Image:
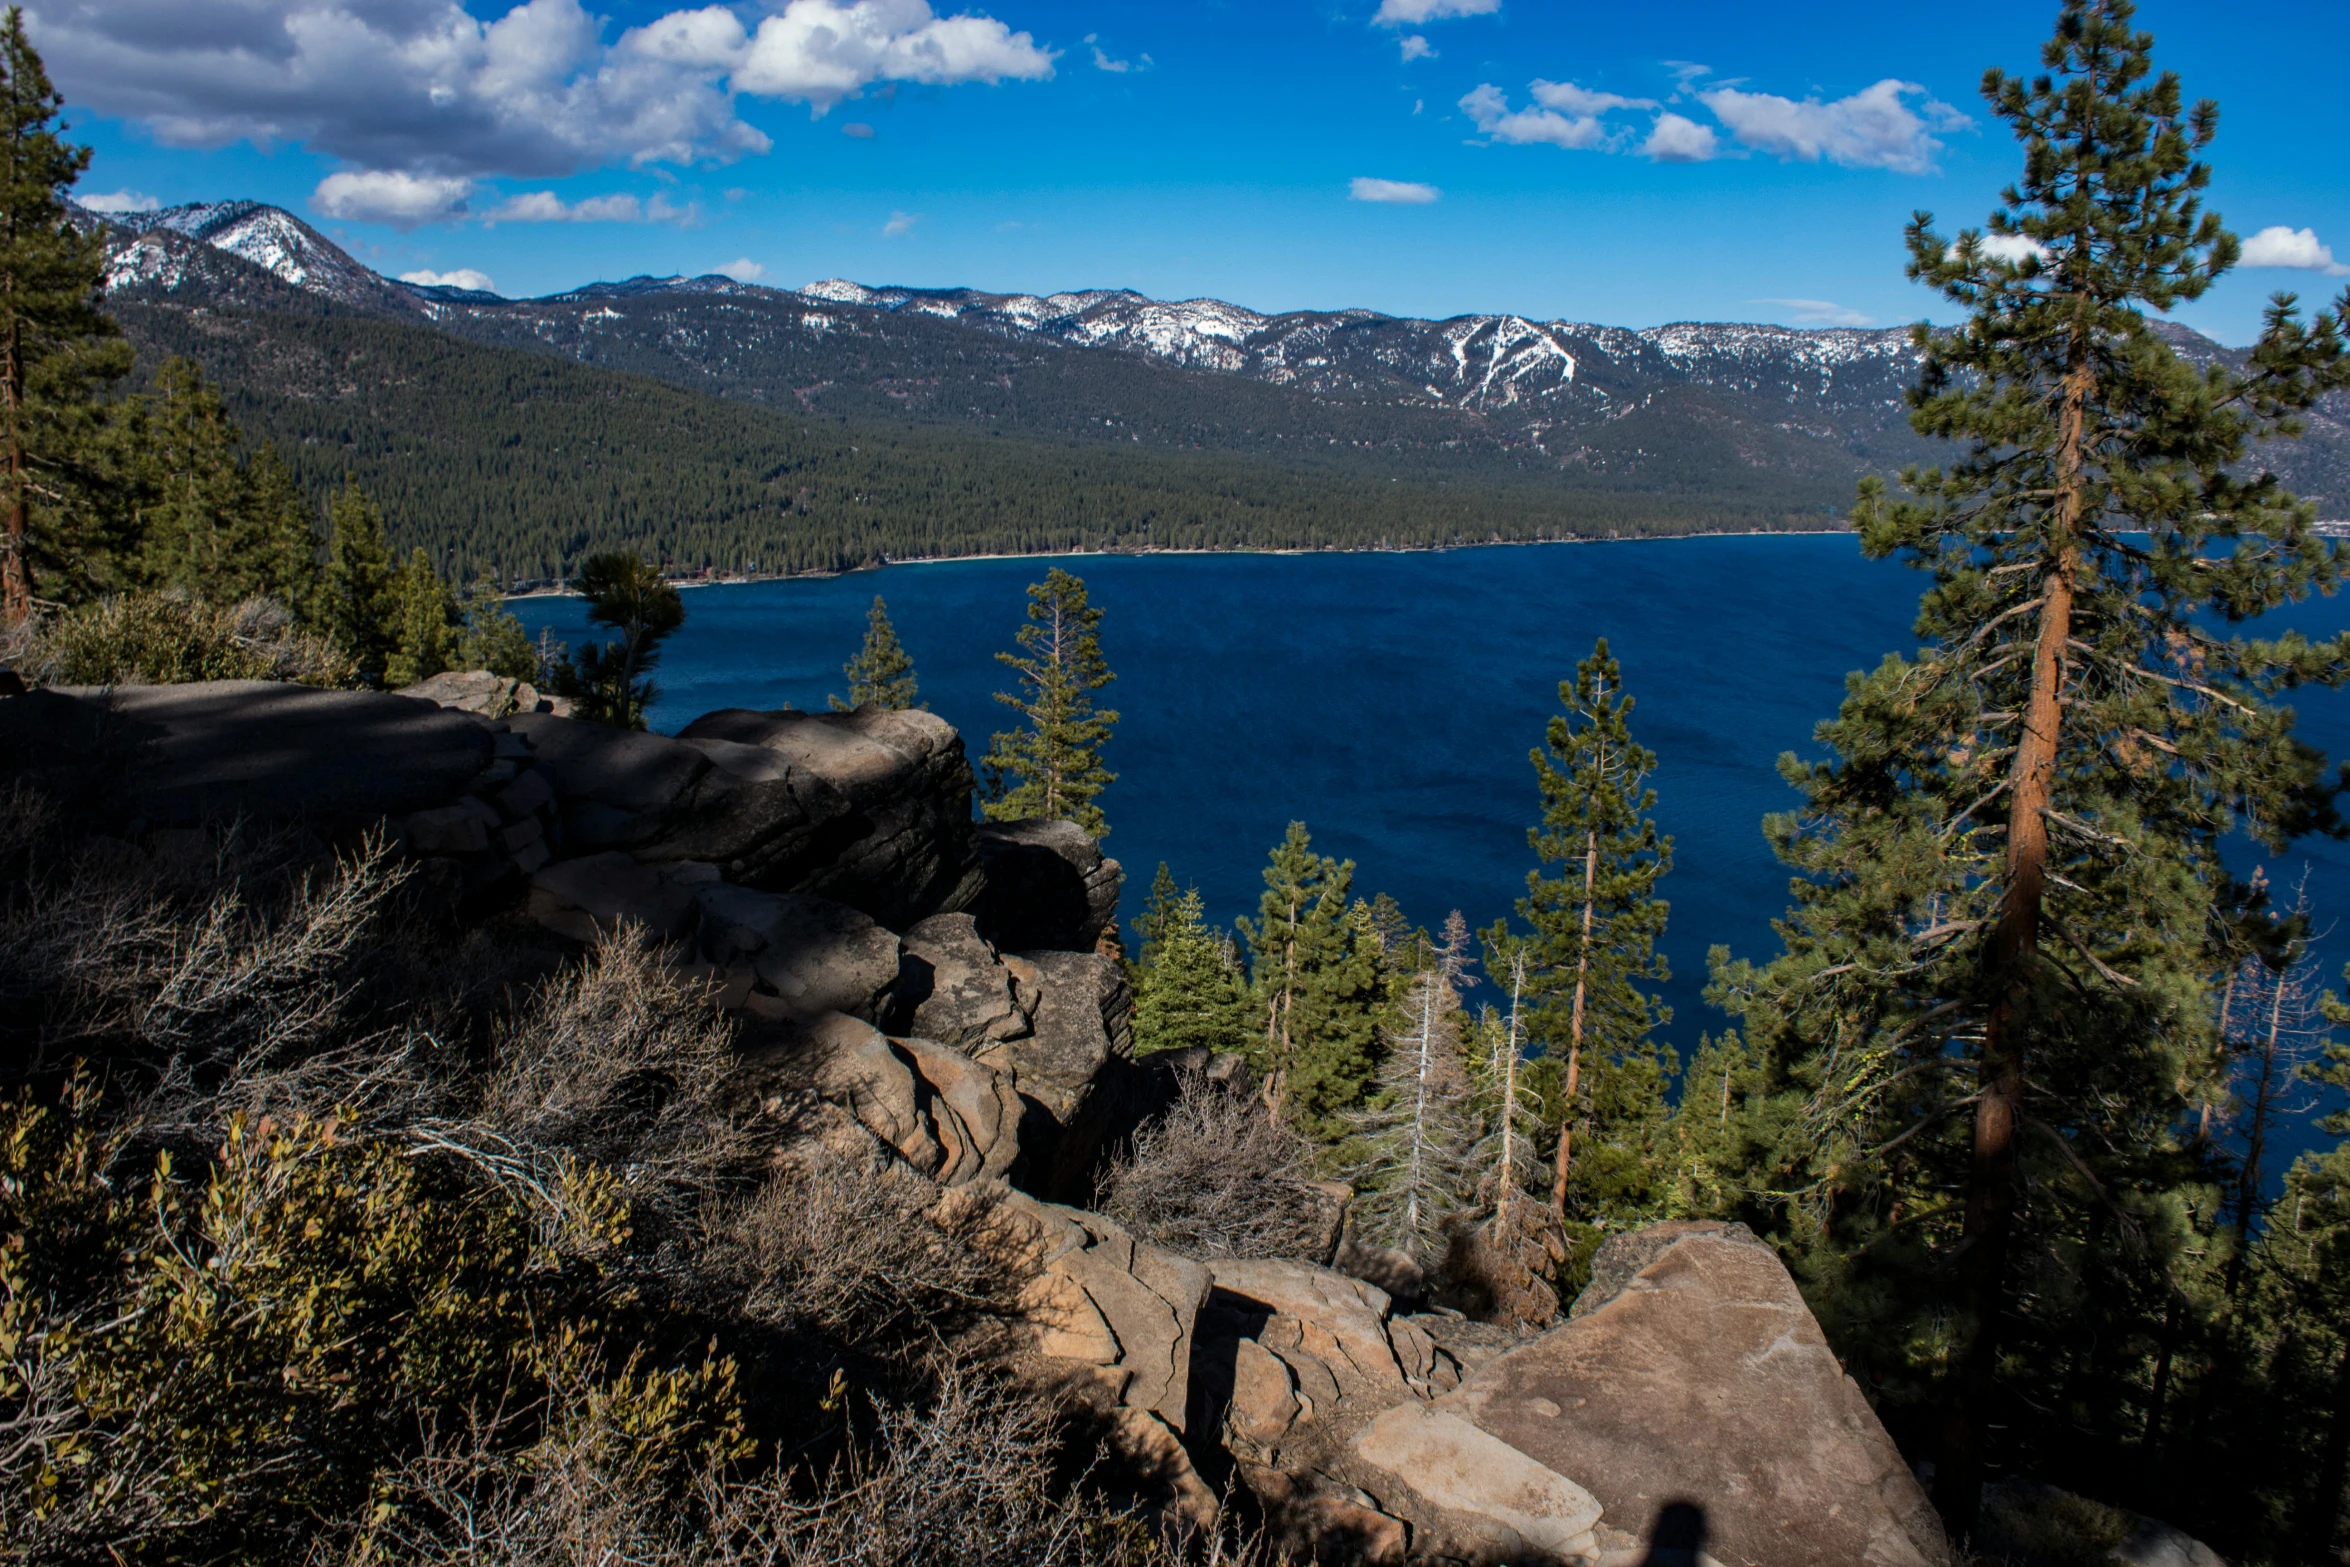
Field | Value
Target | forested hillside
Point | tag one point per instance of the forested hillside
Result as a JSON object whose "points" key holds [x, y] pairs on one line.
{"points": [[524, 462]]}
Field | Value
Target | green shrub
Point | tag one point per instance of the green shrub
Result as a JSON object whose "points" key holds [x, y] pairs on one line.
{"points": [[166, 638]]}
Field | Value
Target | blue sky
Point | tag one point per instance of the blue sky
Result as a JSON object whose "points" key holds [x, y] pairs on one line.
{"points": [[1615, 163]]}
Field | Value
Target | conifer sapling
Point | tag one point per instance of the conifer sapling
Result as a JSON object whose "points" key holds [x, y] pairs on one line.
{"points": [[1052, 768]]}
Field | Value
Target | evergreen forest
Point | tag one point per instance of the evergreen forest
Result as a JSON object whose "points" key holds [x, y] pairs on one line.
{"points": [[2005, 1098]]}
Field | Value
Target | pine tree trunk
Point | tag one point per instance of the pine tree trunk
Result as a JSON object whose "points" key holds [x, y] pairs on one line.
{"points": [[16, 562], [1558, 1179], [2015, 942], [1504, 1186]]}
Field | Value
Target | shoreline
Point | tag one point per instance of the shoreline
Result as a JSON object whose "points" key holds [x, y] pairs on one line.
{"points": [[688, 584]]}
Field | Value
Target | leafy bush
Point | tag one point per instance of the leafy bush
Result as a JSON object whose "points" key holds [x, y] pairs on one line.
{"points": [[168, 637]]}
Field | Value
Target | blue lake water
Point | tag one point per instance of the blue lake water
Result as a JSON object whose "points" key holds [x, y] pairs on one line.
{"points": [[1389, 702]]}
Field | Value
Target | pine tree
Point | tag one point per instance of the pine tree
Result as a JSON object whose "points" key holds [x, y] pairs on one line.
{"points": [[58, 350], [628, 594], [492, 638], [2011, 878], [191, 514], [1594, 926], [1411, 1152], [424, 621], [1315, 985], [355, 604], [882, 673], [1052, 768], [1158, 914], [1189, 992], [280, 542], [2303, 1283]]}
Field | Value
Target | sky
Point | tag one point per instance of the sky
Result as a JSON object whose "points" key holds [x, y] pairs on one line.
{"points": [[1614, 163]]}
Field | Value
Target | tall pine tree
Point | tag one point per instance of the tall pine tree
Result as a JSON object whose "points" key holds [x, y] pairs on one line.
{"points": [[1316, 985], [208, 520], [424, 621], [1594, 925], [882, 673], [356, 606], [1998, 975], [58, 350], [1052, 767]]}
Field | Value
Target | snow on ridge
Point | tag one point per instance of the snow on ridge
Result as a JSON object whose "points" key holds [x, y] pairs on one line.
{"points": [[838, 290]]}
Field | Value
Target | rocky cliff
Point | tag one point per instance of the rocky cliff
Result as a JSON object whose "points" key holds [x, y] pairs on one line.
{"points": [[939, 996]]}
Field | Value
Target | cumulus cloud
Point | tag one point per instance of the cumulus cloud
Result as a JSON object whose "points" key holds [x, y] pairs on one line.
{"points": [[743, 270], [1489, 107], [857, 130], [1415, 47], [544, 206], [119, 201], [1817, 312], [899, 223], [388, 196], [818, 52], [460, 277], [426, 89], [1399, 193], [2279, 246], [1411, 13], [1875, 128], [1677, 139], [2009, 247], [1887, 126]]}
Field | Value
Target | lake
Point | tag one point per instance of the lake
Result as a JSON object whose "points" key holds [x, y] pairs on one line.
{"points": [[1389, 702]]}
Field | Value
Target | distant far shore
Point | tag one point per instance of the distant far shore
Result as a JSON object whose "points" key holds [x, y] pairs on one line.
{"points": [[713, 580]]}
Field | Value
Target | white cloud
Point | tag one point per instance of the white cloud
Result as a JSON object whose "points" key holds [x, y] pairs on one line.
{"points": [[744, 270], [1411, 13], [544, 206], [1570, 99], [545, 88], [119, 201], [2011, 247], [2279, 246], [460, 277], [1677, 139], [1817, 312], [1102, 60], [1415, 47], [818, 52], [385, 196], [1489, 106], [1875, 128], [857, 130], [900, 223], [1400, 193]]}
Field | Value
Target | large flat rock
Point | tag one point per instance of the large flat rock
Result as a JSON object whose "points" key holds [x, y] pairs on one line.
{"points": [[1705, 1380], [214, 749]]}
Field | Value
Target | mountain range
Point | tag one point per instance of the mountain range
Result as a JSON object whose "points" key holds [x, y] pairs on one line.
{"points": [[1682, 427]]}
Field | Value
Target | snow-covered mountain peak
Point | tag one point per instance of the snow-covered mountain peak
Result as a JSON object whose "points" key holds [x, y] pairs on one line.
{"points": [[271, 238]]}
